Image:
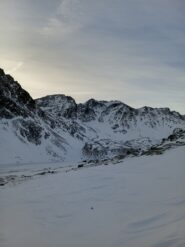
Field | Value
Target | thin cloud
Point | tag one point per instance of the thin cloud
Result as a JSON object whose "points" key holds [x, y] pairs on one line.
{"points": [[15, 68], [130, 50]]}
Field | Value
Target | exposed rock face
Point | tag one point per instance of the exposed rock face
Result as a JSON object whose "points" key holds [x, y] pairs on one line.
{"points": [[59, 105], [62, 129], [20, 115], [14, 100], [16, 104]]}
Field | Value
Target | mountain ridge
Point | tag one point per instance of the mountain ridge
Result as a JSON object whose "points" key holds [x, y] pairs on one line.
{"points": [[56, 128]]}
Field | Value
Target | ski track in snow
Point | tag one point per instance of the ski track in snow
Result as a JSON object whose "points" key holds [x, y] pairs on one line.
{"points": [[137, 203]]}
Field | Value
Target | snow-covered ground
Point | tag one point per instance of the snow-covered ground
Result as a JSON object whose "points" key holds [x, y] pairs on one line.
{"points": [[137, 203]]}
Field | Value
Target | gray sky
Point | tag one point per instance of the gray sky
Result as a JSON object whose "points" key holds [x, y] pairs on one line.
{"points": [[129, 50]]}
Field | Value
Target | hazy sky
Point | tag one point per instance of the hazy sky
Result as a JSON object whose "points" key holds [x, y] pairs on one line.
{"points": [[129, 50]]}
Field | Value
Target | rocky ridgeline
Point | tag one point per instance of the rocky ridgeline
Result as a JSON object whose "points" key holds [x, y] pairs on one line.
{"points": [[25, 118], [57, 125], [14, 100]]}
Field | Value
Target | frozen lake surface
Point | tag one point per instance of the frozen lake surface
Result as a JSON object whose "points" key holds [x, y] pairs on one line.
{"points": [[137, 203]]}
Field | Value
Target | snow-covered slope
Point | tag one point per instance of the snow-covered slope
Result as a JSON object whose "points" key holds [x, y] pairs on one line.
{"points": [[137, 203], [55, 127], [26, 132]]}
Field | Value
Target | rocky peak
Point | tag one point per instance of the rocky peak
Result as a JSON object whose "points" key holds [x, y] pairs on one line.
{"points": [[92, 103], [58, 105], [14, 100], [2, 72]]}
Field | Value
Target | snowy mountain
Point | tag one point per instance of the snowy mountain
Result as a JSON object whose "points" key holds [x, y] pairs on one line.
{"points": [[55, 127]]}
